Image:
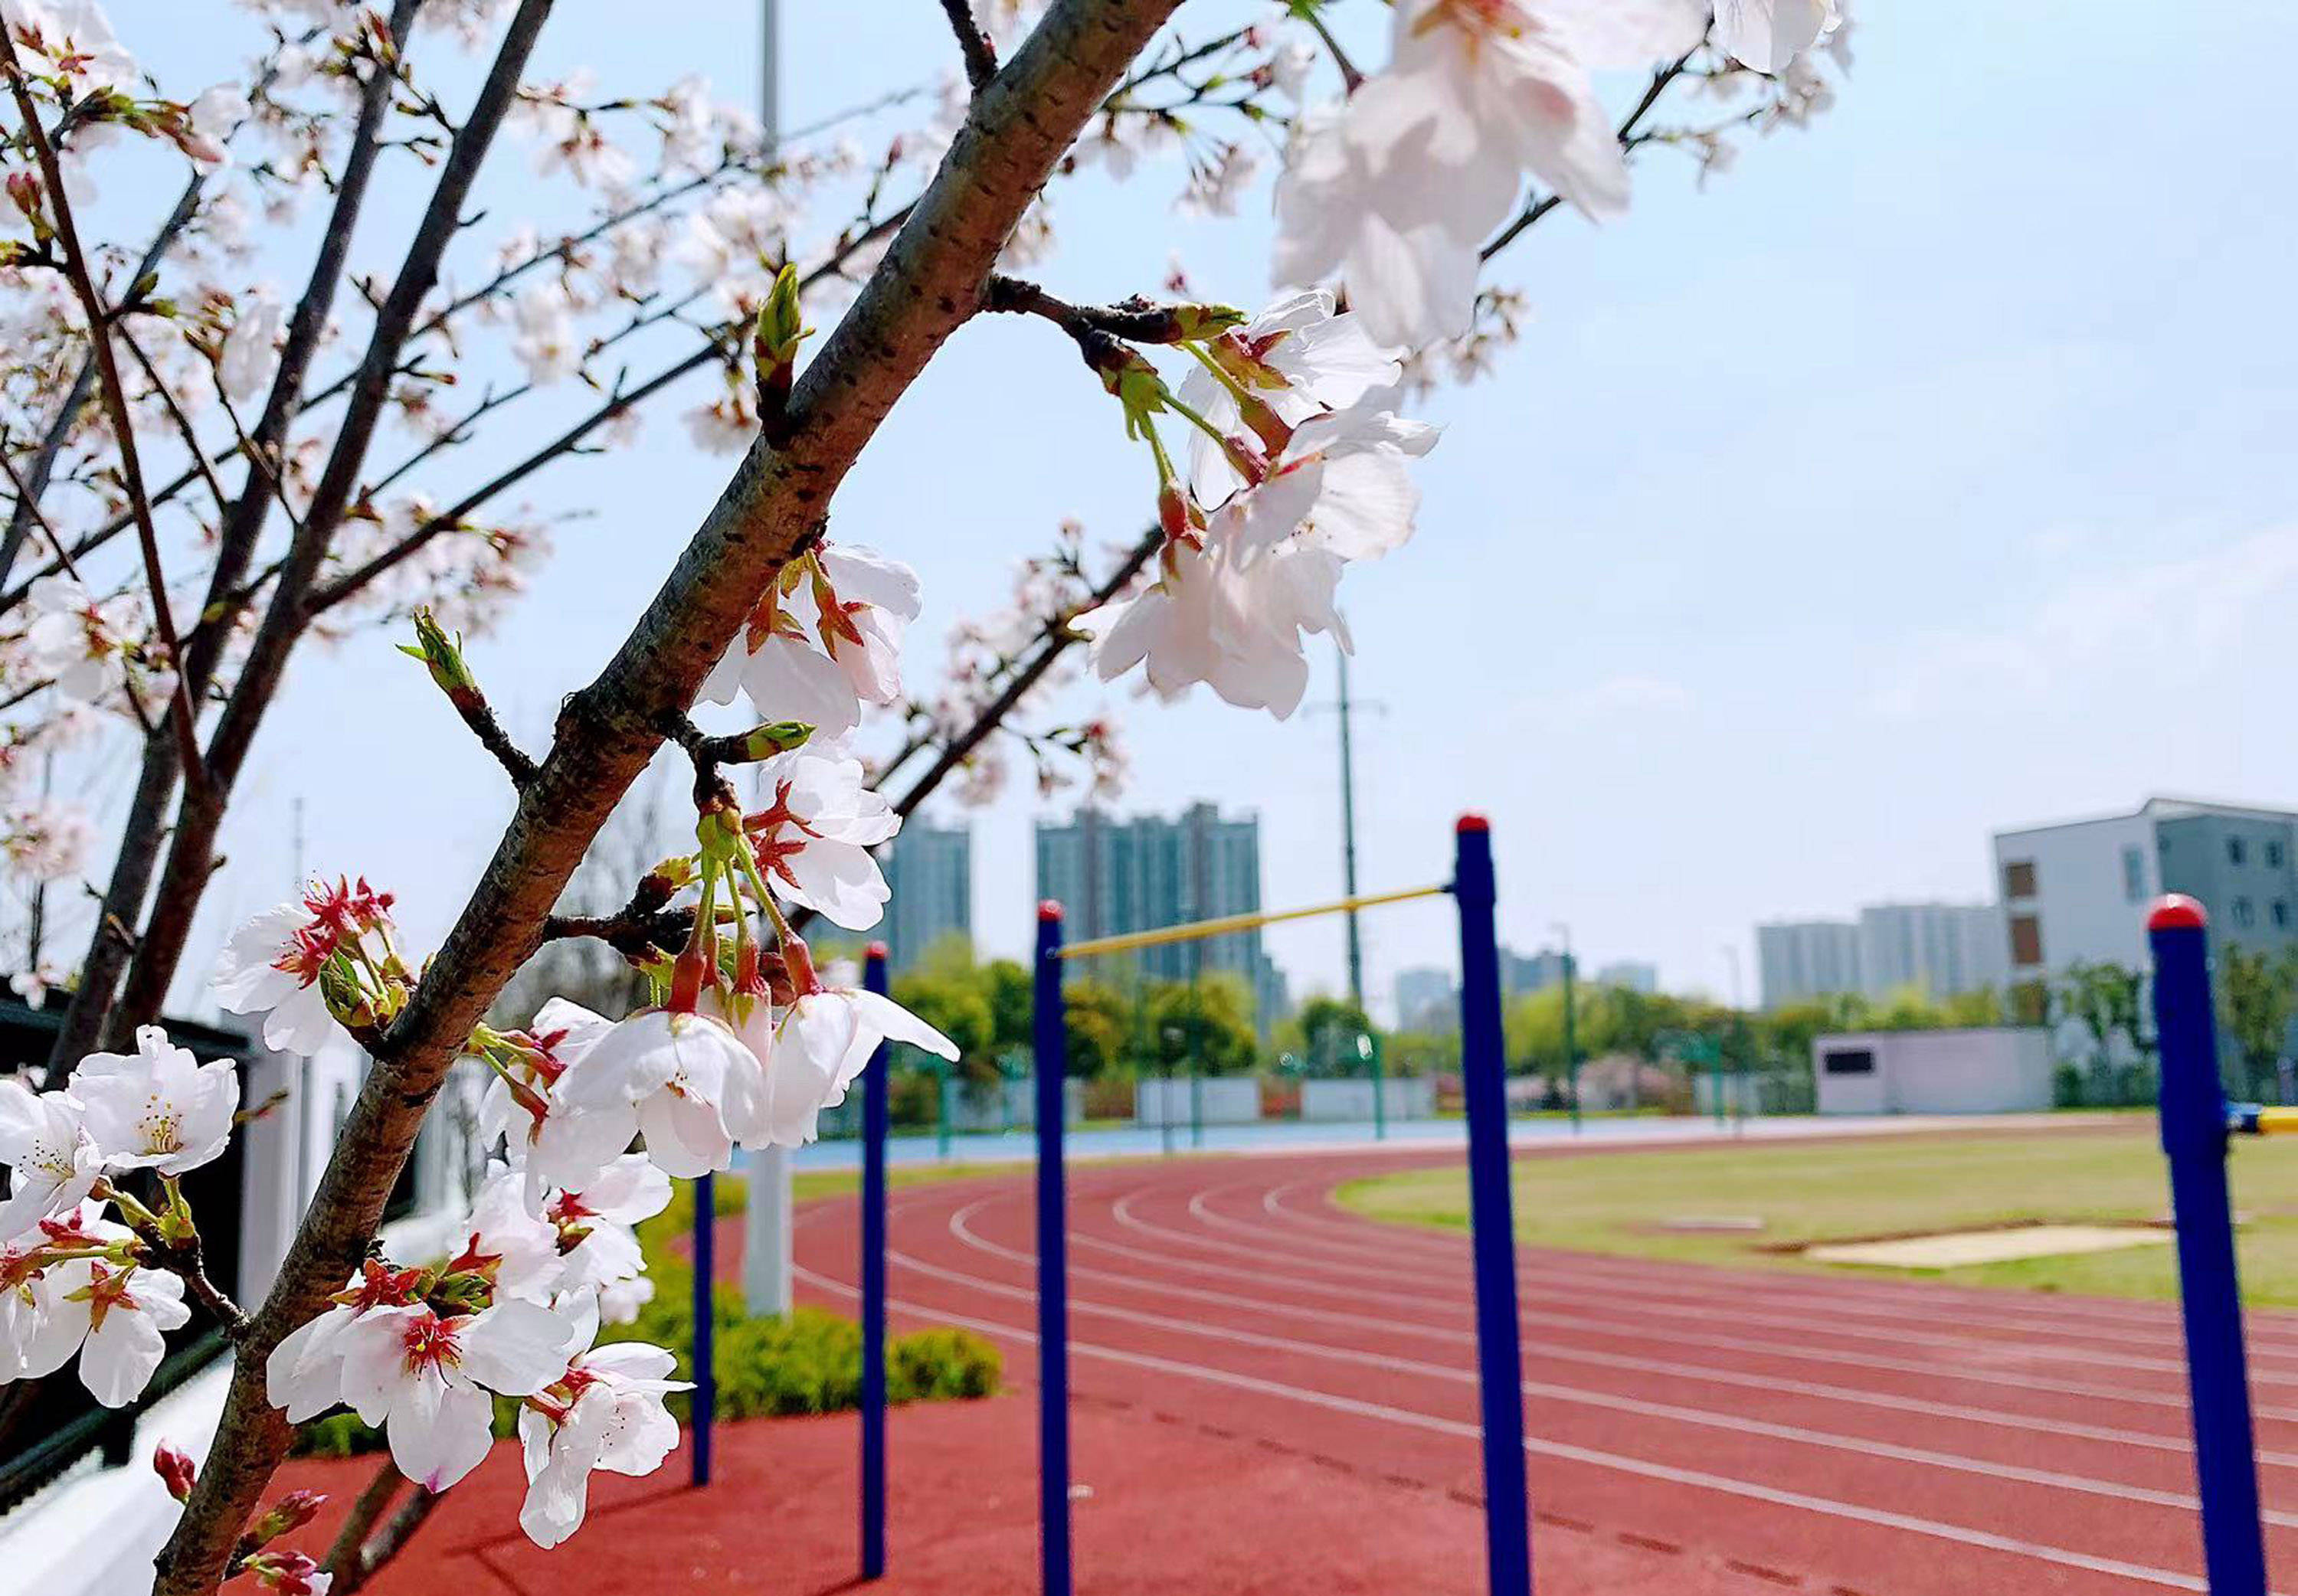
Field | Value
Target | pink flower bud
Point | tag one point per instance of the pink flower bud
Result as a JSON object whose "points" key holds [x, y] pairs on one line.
{"points": [[174, 1465], [289, 1514]]}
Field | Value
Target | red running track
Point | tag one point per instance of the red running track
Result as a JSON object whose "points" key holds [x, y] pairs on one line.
{"points": [[1854, 1437]]}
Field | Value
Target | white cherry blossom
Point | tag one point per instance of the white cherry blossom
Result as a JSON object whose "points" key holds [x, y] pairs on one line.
{"points": [[77, 641], [52, 1161], [46, 840], [566, 1146], [114, 1315], [424, 1379], [1767, 34], [250, 349], [157, 1108], [270, 967], [833, 1031], [607, 1413], [814, 837], [820, 652], [678, 1071]]}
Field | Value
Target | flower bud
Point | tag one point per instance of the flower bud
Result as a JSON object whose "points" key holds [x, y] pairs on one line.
{"points": [[775, 737], [780, 328], [174, 1465], [288, 1573], [1197, 323], [289, 1514], [444, 658]]}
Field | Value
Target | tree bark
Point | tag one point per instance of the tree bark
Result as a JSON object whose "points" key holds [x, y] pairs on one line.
{"points": [[929, 282]]}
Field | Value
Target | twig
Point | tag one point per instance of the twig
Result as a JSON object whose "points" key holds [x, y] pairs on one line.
{"points": [[1540, 206], [115, 401], [386, 1542], [1350, 79], [972, 43], [444, 656], [59, 432], [343, 1555], [1136, 320], [353, 583]]}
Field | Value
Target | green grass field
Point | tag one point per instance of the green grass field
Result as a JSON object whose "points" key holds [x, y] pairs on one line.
{"points": [[1620, 1201]]}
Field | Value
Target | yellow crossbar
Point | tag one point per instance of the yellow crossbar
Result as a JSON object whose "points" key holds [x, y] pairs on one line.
{"points": [[1199, 929], [2277, 1121]]}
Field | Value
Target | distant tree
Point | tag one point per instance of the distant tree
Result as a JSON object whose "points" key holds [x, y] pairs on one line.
{"points": [[1207, 1020], [1099, 1027], [1322, 1033], [953, 1004], [1011, 997], [2258, 996], [2106, 1000]]}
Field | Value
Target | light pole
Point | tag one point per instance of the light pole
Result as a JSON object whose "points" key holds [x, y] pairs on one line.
{"points": [[1344, 706], [1571, 1037]]}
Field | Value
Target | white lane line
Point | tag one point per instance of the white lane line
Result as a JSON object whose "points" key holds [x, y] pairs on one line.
{"points": [[1877, 1517], [1586, 1319], [1670, 1412], [1540, 1267], [1737, 1423], [1373, 1238], [1706, 1310], [1546, 1350]]}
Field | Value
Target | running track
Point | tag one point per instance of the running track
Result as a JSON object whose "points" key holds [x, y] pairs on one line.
{"points": [[1851, 1437]]}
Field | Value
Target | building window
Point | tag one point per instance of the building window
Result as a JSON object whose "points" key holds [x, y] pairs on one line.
{"points": [[2273, 856], [2235, 850], [2280, 913], [2134, 874], [2243, 915], [1847, 1061], [2019, 879], [2026, 940]]}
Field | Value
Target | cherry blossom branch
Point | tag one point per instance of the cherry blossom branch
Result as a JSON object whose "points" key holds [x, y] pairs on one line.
{"points": [[113, 943], [115, 398], [342, 1558], [353, 583], [1135, 319], [386, 1542], [191, 849], [444, 658], [58, 432], [929, 282], [972, 43], [1172, 68]]}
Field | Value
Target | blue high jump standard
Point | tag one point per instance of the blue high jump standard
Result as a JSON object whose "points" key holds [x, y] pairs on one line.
{"points": [[1500, 1366], [2194, 1122]]}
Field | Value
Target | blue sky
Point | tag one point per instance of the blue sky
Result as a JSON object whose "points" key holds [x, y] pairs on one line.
{"points": [[1927, 473]]}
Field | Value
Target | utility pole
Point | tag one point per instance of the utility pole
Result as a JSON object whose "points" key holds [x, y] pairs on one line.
{"points": [[1571, 1037], [770, 74], [1349, 832]]}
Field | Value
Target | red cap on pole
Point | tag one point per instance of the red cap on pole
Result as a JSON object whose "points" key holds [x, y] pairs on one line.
{"points": [[876, 950], [2176, 911], [1472, 822], [1047, 909]]}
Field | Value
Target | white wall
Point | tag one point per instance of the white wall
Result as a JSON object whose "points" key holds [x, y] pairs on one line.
{"points": [[1221, 1100], [1402, 1097], [1994, 1069], [1017, 1109], [2085, 911]]}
